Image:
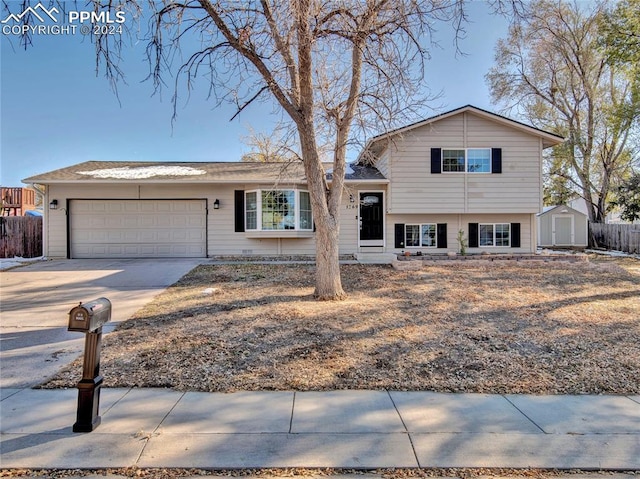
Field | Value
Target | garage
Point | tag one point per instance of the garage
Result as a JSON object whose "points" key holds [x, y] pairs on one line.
{"points": [[153, 228]]}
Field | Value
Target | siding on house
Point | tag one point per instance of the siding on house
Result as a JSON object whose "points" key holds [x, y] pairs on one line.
{"points": [[350, 219], [415, 189], [383, 164], [457, 222], [222, 239]]}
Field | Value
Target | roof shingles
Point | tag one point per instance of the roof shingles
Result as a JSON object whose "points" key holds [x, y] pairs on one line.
{"points": [[188, 172]]}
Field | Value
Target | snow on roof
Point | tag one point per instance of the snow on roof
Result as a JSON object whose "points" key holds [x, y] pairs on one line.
{"points": [[189, 172], [128, 173]]}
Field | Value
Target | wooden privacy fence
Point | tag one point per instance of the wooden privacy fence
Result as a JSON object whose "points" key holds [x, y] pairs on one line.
{"points": [[615, 237], [20, 236]]}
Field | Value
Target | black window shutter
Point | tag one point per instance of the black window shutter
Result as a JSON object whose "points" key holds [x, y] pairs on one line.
{"points": [[239, 210], [399, 229], [496, 160], [515, 235], [441, 235], [473, 235], [436, 160]]}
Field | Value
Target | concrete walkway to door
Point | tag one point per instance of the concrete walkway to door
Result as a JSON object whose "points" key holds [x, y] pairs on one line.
{"points": [[35, 301]]}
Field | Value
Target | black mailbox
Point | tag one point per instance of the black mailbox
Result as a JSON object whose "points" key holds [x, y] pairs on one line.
{"points": [[87, 317]]}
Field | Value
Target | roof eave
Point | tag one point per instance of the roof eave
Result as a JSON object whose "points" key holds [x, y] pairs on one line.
{"points": [[367, 181], [112, 181]]}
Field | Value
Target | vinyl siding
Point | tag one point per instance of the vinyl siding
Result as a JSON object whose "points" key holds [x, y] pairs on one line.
{"points": [[415, 190], [350, 220], [383, 164], [528, 231], [222, 240], [410, 219], [461, 222]]}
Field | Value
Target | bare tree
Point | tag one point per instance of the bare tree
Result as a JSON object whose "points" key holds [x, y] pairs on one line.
{"points": [[552, 70], [328, 65], [332, 66], [276, 146]]}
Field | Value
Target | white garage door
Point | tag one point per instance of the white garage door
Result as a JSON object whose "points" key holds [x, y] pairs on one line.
{"points": [[138, 228]]}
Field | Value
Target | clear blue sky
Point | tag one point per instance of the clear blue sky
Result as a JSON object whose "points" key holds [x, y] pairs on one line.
{"points": [[55, 112]]}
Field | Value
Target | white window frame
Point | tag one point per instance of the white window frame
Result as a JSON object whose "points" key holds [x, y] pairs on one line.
{"points": [[466, 160], [258, 210], [420, 226], [493, 235]]}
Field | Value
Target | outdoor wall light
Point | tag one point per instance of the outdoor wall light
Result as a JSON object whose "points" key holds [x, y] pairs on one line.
{"points": [[216, 204], [53, 205]]}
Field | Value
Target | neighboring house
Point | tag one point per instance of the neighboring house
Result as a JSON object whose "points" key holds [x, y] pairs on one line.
{"points": [[613, 217], [562, 226], [411, 189]]}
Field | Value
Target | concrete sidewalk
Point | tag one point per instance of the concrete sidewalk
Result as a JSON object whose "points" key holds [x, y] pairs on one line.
{"points": [[336, 429]]}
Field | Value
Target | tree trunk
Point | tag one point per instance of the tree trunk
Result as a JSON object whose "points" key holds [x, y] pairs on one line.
{"points": [[328, 282], [326, 218], [325, 213]]}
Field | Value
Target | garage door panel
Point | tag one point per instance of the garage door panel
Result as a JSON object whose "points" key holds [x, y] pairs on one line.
{"points": [[146, 237], [169, 222], [125, 237], [148, 208], [137, 228], [95, 208], [126, 221], [180, 236], [97, 222], [195, 236], [115, 208]]}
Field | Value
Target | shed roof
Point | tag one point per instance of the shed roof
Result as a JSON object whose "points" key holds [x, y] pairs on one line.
{"points": [[559, 209]]}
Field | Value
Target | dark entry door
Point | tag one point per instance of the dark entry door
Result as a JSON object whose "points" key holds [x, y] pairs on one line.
{"points": [[371, 219]]}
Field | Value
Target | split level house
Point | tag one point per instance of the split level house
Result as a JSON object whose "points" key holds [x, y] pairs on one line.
{"points": [[413, 189]]}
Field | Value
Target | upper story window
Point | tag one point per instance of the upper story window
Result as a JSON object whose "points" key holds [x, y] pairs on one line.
{"points": [[453, 160], [479, 160], [278, 210], [471, 160]]}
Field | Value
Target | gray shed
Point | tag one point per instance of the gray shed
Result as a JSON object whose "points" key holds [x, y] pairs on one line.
{"points": [[562, 226]]}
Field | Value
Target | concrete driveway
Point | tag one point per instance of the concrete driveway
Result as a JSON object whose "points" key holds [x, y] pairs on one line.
{"points": [[35, 301]]}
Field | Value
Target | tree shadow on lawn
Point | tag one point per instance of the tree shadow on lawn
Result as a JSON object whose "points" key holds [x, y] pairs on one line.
{"points": [[393, 340]]}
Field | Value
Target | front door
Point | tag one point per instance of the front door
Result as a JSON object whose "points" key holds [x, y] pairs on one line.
{"points": [[371, 219]]}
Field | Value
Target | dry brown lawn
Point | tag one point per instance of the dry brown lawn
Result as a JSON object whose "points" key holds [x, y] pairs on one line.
{"points": [[541, 328]]}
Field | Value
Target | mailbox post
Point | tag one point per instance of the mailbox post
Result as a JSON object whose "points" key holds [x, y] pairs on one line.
{"points": [[89, 318]]}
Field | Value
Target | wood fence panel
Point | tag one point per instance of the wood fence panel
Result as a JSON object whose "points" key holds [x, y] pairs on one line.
{"points": [[20, 236], [615, 237]]}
